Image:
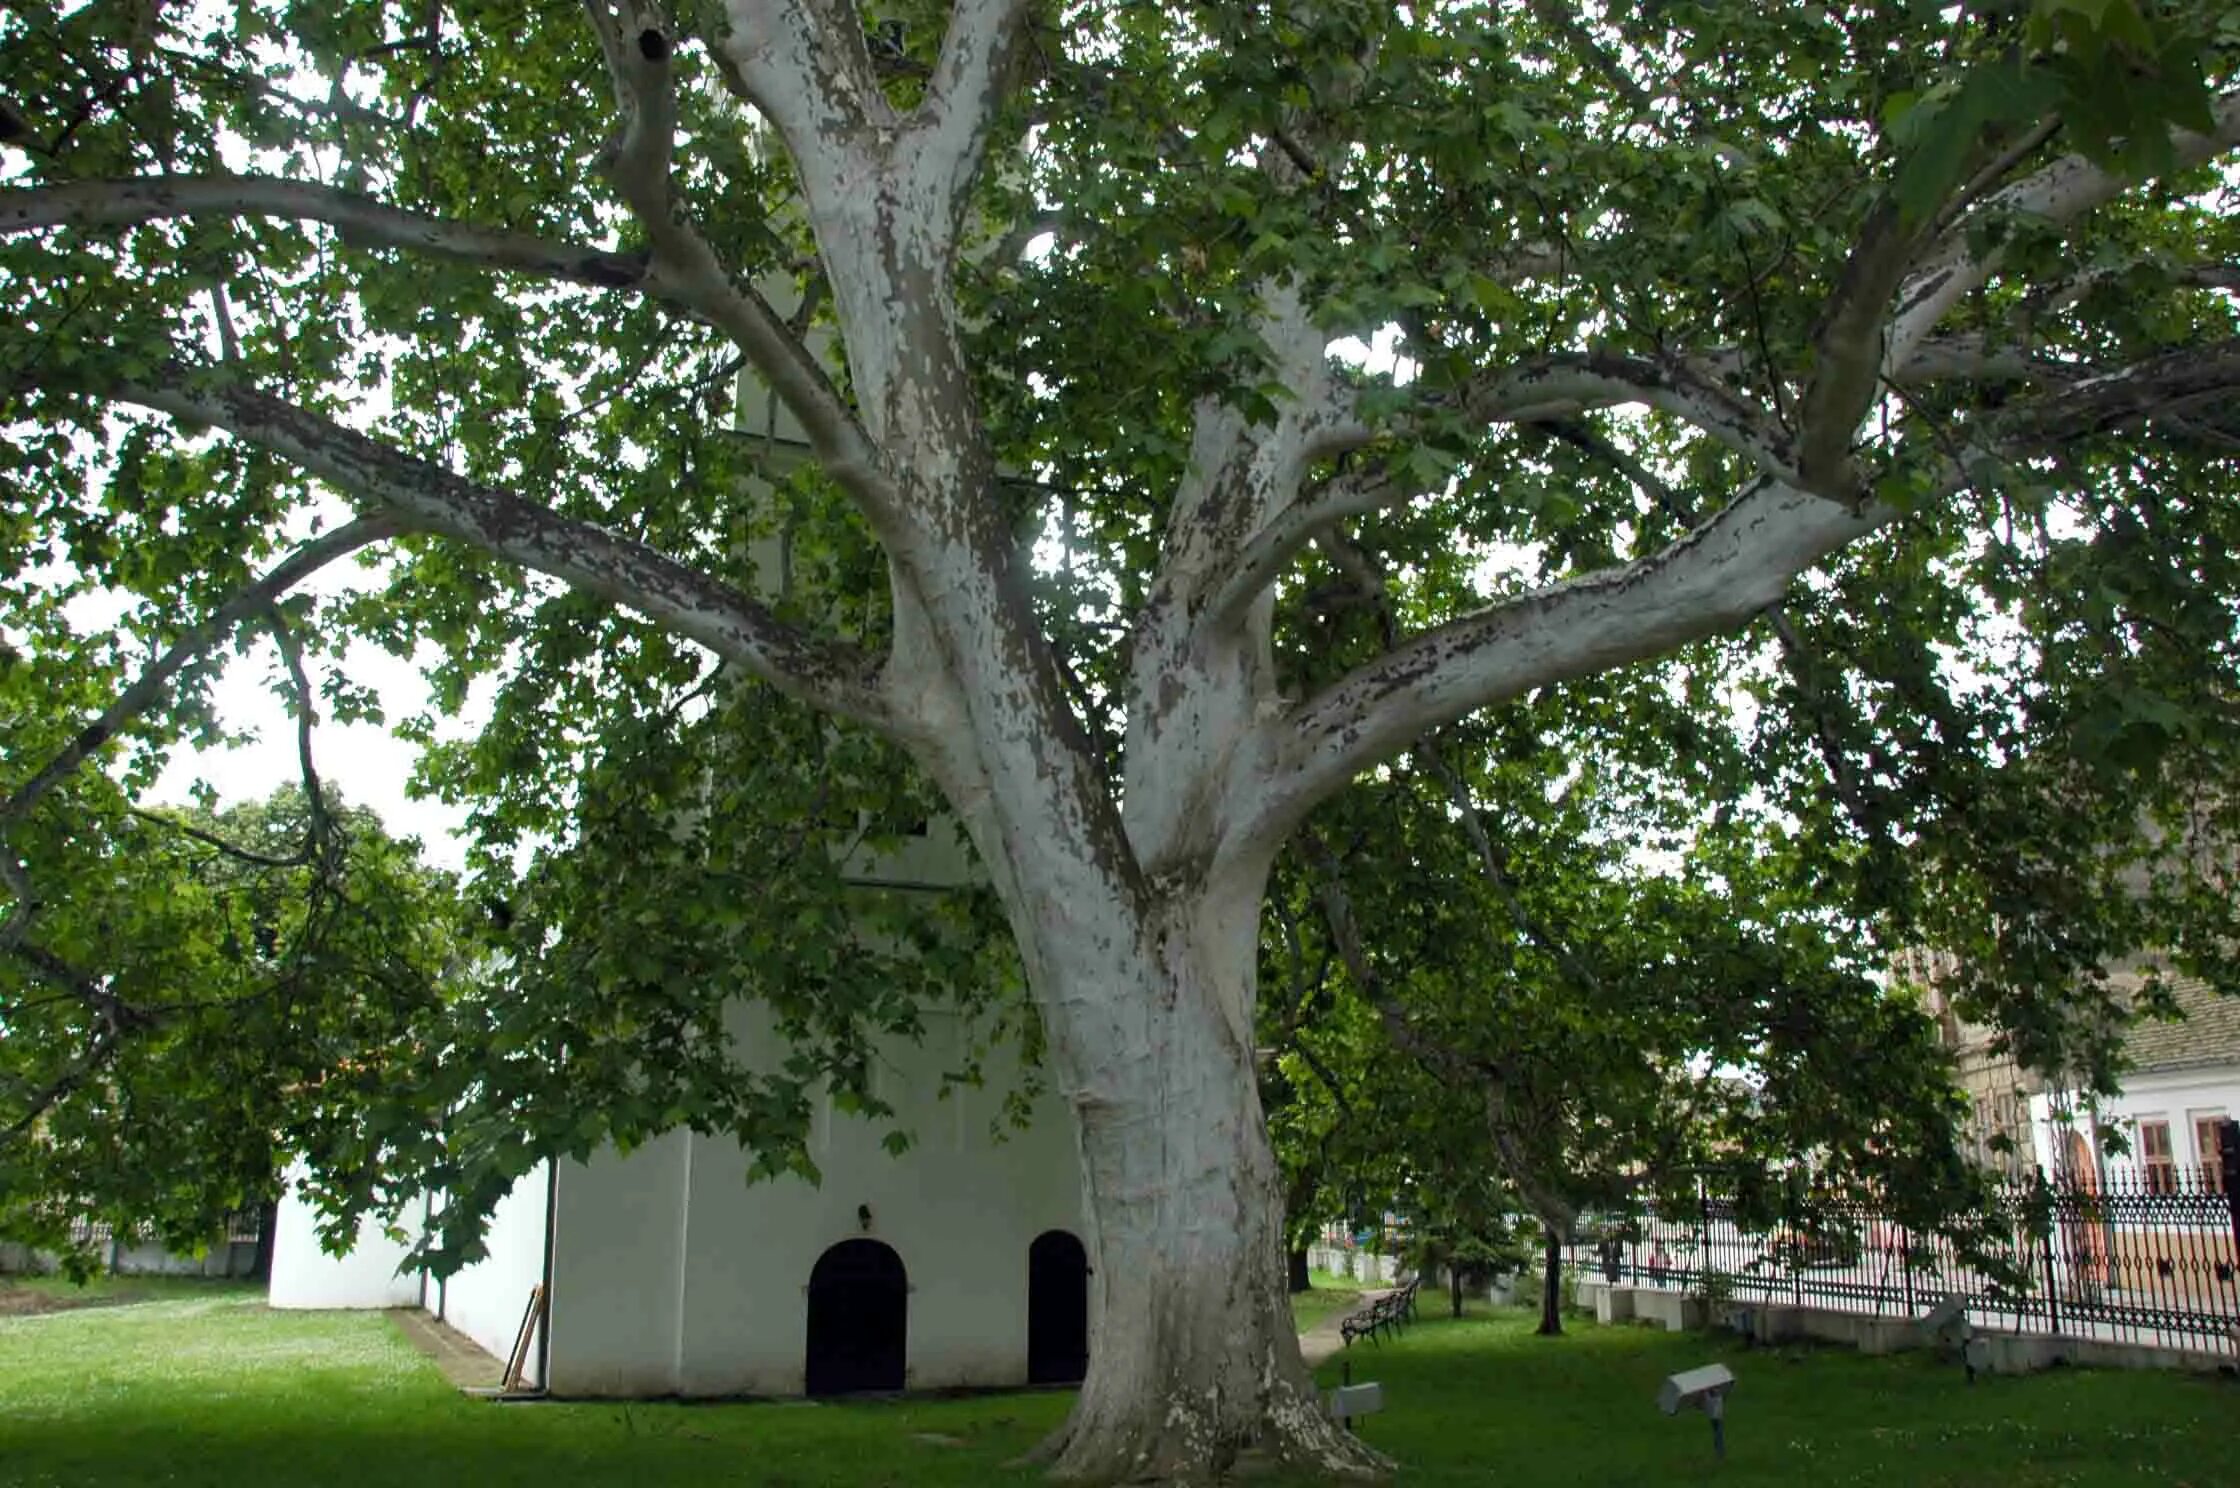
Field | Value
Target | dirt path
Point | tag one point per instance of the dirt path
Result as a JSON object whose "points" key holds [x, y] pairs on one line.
{"points": [[18, 1301], [1323, 1341]]}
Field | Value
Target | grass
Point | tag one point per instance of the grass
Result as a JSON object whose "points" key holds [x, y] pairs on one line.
{"points": [[1330, 1295], [214, 1390]]}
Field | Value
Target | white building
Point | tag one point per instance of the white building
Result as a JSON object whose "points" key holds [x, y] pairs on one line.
{"points": [[2184, 1080], [959, 1263]]}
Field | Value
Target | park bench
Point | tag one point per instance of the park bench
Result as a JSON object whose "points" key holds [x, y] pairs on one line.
{"points": [[1391, 1310]]}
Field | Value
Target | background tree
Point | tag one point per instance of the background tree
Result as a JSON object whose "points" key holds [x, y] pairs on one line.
{"points": [[207, 988], [1813, 266], [1618, 995]]}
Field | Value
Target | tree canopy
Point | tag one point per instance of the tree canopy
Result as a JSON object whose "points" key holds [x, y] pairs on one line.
{"points": [[1875, 360], [211, 995]]}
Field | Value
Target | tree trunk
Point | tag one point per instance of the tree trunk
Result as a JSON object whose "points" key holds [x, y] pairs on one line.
{"points": [[268, 1225], [1297, 1280], [1195, 1369], [1454, 1287], [1551, 1289]]}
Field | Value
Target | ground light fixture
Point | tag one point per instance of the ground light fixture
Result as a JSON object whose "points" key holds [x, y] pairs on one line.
{"points": [[1702, 1389], [1947, 1326]]}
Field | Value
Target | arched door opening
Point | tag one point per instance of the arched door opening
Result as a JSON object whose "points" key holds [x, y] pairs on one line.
{"points": [[859, 1320], [1057, 1309]]}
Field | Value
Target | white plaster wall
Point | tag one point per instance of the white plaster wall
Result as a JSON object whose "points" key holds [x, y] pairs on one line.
{"points": [[304, 1275], [959, 1208], [673, 1274], [486, 1300], [2177, 1097], [226, 1258], [618, 1238]]}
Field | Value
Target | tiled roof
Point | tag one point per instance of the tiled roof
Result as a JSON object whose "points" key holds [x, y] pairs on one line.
{"points": [[2209, 1033]]}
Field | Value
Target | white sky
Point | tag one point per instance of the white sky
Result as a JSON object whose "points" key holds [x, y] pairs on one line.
{"points": [[362, 760]]}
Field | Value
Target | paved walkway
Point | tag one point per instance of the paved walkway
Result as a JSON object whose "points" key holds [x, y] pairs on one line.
{"points": [[463, 1361]]}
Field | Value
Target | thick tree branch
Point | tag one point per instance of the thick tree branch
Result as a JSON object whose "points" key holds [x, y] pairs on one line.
{"points": [[828, 674], [1568, 384], [2199, 382], [1847, 352], [2060, 193], [357, 219], [1550, 388], [1713, 578], [950, 128], [805, 66], [689, 278], [637, 41], [1263, 559], [1968, 357], [1709, 580]]}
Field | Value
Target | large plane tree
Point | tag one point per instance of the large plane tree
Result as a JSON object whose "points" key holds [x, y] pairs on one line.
{"points": [[1052, 294]]}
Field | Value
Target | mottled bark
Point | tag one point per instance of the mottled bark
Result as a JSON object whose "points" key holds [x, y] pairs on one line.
{"points": [[1196, 1368]]}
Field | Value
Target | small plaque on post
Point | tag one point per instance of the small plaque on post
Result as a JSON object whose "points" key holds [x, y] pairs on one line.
{"points": [[1348, 1401]]}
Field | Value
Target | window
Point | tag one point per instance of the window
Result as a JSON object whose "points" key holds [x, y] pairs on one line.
{"points": [[2160, 1168], [2213, 1176]]}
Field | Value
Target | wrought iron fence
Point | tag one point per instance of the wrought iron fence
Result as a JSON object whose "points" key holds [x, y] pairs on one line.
{"points": [[2132, 1259]]}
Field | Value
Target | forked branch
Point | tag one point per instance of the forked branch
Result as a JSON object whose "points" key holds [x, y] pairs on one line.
{"points": [[829, 674]]}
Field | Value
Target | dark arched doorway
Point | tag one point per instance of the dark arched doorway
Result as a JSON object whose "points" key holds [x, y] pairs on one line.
{"points": [[859, 1319], [1057, 1310]]}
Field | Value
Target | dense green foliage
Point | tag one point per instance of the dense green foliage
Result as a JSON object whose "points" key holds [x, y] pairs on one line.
{"points": [[209, 992], [1556, 992]]}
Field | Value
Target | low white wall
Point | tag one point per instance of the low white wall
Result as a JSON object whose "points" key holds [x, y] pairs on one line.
{"points": [[486, 1300], [226, 1258], [305, 1276]]}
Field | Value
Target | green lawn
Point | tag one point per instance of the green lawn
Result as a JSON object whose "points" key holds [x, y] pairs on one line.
{"points": [[216, 1390], [1329, 1296]]}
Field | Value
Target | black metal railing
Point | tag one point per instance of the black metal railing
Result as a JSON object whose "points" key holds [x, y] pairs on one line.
{"points": [[2124, 1259]]}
